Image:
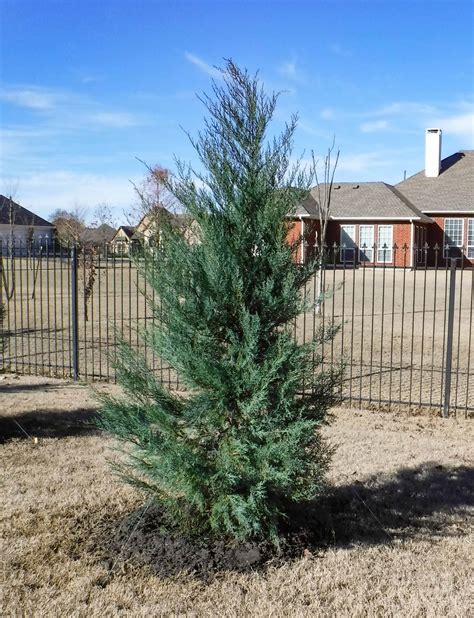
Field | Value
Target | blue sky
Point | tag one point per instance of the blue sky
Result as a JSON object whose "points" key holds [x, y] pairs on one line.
{"points": [[88, 86]]}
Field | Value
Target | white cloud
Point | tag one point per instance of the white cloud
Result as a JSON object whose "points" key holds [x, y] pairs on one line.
{"points": [[412, 117], [89, 79], [455, 119], [410, 109], [402, 108], [310, 129], [361, 166], [289, 70], [65, 111], [115, 120], [46, 191], [339, 50], [23, 148], [31, 98], [362, 162], [373, 126], [327, 113], [203, 66], [462, 125]]}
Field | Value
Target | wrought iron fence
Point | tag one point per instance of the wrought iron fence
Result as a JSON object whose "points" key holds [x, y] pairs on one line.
{"points": [[405, 333]]}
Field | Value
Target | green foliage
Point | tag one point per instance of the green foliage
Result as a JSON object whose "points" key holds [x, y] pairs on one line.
{"points": [[230, 456]]}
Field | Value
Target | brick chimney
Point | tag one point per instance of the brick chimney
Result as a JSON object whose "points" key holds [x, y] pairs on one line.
{"points": [[432, 152]]}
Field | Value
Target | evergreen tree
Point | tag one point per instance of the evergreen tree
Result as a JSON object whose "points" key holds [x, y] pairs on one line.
{"points": [[231, 456]]}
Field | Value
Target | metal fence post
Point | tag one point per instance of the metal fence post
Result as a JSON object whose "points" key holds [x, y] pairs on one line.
{"points": [[2, 309], [74, 315], [449, 342]]}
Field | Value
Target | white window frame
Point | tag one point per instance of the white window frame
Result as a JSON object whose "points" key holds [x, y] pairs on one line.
{"points": [[446, 247], [470, 243], [347, 252], [366, 250], [385, 253]]}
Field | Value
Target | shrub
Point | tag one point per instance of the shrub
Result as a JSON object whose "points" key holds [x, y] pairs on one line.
{"points": [[231, 456]]}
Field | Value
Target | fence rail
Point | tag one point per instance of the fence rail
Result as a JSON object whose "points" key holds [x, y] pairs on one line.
{"points": [[405, 334]]}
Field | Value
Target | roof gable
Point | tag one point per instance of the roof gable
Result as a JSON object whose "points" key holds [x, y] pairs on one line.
{"points": [[151, 218], [11, 212], [124, 230], [364, 200], [102, 233], [451, 191]]}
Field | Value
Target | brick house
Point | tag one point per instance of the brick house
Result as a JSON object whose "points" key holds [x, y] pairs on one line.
{"points": [[367, 220], [444, 191], [380, 224]]}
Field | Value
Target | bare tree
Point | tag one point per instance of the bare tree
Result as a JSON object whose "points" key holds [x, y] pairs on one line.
{"points": [[103, 225], [69, 224], [8, 202], [153, 196], [323, 201], [10, 206], [103, 215], [16, 238], [324, 190], [14, 248], [9, 286]]}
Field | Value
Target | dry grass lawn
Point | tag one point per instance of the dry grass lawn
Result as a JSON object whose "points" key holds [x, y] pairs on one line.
{"points": [[401, 521]]}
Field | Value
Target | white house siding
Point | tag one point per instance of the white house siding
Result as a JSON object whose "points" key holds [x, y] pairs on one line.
{"points": [[42, 237]]}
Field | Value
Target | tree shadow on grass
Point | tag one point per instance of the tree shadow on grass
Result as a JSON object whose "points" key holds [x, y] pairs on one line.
{"points": [[25, 388], [426, 502], [48, 424], [430, 500]]}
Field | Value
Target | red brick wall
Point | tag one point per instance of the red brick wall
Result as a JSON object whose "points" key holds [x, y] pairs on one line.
{"points": [[436, 234], [401, 237], [424, 234], [312, 231], [295, 230], [294, 236]]}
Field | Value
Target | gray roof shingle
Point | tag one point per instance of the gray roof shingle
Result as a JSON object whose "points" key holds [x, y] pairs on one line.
{"points": [[364, 200], [98, 235], [127, 229], [451, 191]]}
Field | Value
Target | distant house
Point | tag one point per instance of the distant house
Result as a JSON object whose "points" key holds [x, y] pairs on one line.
{"points": [[147, 231], [23, 227], [366, 220], [377, 223], [444, 191], [121, 240], [97, 236]]}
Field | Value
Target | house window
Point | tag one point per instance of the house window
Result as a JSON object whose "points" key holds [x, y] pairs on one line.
{"points": [[385, 243], [470, 238], [453, 237], [420, 242], [366, 243], [348, 243]]}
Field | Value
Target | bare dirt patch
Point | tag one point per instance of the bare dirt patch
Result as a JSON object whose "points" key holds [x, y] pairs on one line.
{"points": [[394, 536]]}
